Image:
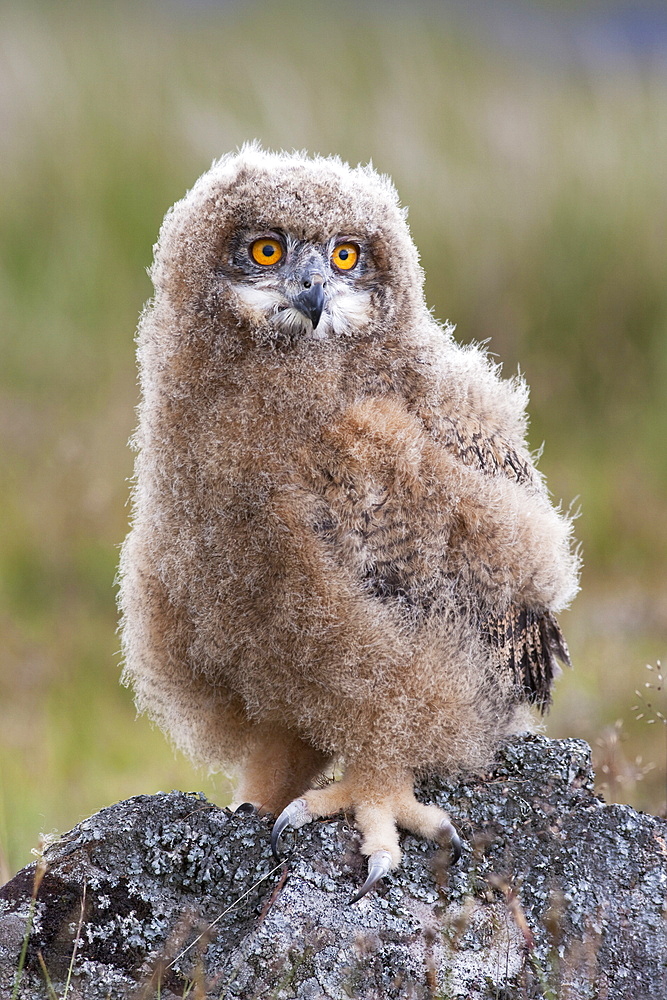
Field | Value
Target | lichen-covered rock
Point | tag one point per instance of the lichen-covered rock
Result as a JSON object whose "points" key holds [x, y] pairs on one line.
{"points": [[557, 896]]}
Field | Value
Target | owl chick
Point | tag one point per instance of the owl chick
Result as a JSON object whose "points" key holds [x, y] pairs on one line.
{"points": [[341, 552]]}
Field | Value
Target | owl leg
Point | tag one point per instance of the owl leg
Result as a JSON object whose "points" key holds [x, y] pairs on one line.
{"points": [[377, 815], [278, 767]]}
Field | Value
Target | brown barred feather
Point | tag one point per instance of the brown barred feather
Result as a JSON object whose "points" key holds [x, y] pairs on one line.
{"points": [[527, 643], [487, 450]]}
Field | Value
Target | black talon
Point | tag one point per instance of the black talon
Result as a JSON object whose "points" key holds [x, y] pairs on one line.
{"points": [[245, 808], [380, 864], [447, 828], [280, 824], [295, 814], [366, 887]]}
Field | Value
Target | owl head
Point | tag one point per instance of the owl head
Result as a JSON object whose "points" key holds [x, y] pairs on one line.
{"points": [[284, 249]]}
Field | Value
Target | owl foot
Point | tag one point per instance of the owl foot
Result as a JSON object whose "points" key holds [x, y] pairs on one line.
{"points": [[377, 821]]}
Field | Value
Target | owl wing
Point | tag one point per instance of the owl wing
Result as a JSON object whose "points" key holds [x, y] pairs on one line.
{"points": [[483, 449], [525, 641], [370, 529]]}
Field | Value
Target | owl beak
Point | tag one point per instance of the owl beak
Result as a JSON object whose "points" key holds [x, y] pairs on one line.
{"points": [[310, 301]]}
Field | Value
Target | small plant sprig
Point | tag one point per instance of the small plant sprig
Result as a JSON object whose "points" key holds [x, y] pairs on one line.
{"points": [[40, 872], [618, 774], [648, 709]]}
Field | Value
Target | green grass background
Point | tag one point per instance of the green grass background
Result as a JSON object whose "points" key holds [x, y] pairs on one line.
{"points": [[537, 194]]}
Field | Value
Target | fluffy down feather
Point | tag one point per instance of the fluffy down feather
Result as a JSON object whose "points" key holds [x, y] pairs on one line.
{"points": [[340, 549]]}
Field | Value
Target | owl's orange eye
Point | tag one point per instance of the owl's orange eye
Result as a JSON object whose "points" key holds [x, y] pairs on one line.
{"points": [[266, 251], [345, 256]]}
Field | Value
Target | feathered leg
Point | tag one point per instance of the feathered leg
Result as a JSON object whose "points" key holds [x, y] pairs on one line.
{"points": [[278, 767]]}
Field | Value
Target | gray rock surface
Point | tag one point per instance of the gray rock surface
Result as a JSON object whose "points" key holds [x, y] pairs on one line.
{"points": [[557, 895]]}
